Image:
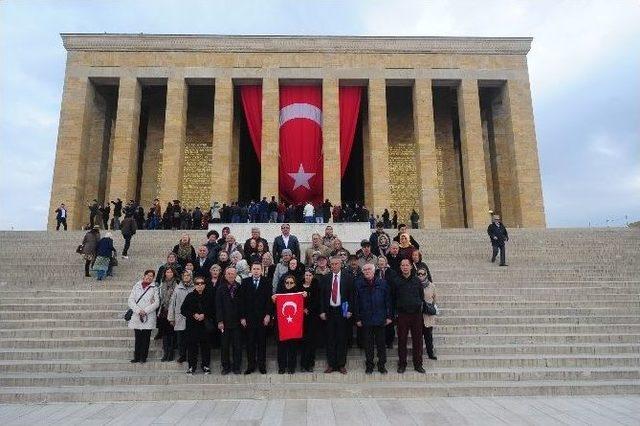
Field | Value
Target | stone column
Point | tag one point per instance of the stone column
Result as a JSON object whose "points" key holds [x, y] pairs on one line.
{"points": [[522, 136], [270, 155], [175, 131], [424, 128], [73, 132], [472, 149], [331, 140], [222, 139], [378, 147], [125, 149]]}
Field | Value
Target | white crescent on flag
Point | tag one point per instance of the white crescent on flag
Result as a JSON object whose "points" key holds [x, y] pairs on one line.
{"points": [[300, 110], [294, 305]]}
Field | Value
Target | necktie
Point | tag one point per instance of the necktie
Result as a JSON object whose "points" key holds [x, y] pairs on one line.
{"points": [[334, 289], [255, 283]]}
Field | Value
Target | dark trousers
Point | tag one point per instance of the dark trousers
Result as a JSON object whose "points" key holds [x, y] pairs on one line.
{"points": [[287, 355], [231, 340], [496, 248], [337, 327], [181, 341], [199, 342], [427, 332], [390, 334], [127, 244], [413, 323], [256, 344], [374, 334], [169, 343], [141, 351], [309, 342], [62, 221], [87, 264]]}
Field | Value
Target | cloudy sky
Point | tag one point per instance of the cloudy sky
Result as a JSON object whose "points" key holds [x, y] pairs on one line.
{"points": [[584, 67]]}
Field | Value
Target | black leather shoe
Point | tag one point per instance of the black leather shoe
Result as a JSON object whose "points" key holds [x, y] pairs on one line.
{"points": [[382, 370], [225, 371], [181, 360], [236, 371], [133, 361], [419, 369], [249, 370], [369, 370], [281, 370], [433, 357], [401, 369], [263, 370]]}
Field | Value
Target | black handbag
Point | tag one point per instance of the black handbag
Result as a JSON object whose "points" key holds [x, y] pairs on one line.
{"points": [[429, 308], [129, 313], [80, 248]]}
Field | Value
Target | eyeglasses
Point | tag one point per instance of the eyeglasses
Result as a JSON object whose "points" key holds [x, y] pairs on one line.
{"points": [[199, 283], [289, 282], [422, 273]]}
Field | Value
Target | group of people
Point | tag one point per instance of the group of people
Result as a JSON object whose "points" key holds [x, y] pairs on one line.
{"points": [[175, 216], [222, 294]]}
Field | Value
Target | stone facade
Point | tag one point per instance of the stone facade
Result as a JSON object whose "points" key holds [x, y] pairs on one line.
{"points": [[474, 149]]}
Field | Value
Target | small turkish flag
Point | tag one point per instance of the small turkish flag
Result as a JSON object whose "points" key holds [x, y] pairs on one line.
{"points": [[290, 312]]}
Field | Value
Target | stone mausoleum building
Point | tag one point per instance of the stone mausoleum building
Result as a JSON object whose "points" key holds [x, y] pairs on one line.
{"points": [[445, 124]]}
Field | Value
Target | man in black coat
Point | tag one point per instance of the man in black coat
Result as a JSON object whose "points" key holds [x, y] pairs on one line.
{"points": [[255, 314], [228, 317], [408, 309], [336, 308], [385, 272], [286, 240], [202, 264], [498, 236]]}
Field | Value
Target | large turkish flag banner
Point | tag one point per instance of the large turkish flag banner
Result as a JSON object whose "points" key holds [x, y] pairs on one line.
{"points": [[290, 313], [301, 144]]}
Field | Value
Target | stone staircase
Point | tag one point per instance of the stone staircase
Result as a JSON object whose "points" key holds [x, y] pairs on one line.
{"points": [[562, 319]]}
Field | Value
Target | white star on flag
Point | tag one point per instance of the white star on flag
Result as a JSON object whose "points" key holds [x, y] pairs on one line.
{"points": [[301, 178], [289, 319]]}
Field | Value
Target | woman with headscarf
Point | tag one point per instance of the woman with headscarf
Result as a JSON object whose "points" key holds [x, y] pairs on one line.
{"points": [[294, 268], [104, 252], [184, 250], [406, 249]]}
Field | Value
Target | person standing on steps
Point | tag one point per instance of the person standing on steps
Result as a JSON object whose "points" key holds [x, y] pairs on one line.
{"points": [[143, 301], [498, 235], [198, 309], [128, 227], [228, 317], [409, 299], [61, 217], [429, 321], [175, 317]]}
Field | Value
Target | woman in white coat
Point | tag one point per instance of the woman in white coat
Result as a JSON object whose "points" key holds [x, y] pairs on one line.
{"points": [[143, 301]]}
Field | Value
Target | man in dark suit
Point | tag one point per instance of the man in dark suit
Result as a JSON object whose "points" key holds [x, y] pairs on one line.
{"points": [[498, 235], [336, 307], [385, 272], [255, 314], [228, 317], [202, 264], [255, 235], [286, 240]]}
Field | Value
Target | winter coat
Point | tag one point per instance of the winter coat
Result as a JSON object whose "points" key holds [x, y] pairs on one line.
{"points": [[429, 297], [128, 226], [408, 294], [148, 303], [90, 242], [175, 306], [373, 303]]}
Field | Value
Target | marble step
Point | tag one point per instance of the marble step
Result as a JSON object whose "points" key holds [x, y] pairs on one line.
{"points": [[348, 389]]}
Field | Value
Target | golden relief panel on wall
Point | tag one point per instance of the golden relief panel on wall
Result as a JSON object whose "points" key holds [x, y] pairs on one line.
{"points": [[196, 179], [403, 176]]}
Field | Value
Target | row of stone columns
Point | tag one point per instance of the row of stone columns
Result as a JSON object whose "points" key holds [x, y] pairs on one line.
{"points": [[68, 184]]}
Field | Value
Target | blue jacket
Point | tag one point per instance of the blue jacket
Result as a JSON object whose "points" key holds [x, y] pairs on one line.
{"points": [[373, 304], [105, 247]]}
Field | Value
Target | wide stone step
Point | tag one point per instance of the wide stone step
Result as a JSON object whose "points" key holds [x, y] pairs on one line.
{"points": [[348, 389], [433, 375], [155, 351], [353, 361]]}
